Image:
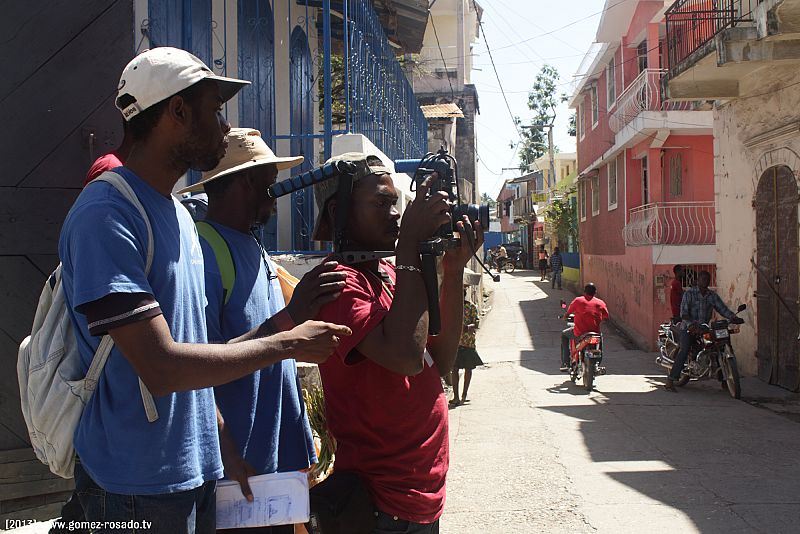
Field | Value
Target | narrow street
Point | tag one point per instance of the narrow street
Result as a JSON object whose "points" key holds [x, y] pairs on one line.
{"points": [[532, 453]]}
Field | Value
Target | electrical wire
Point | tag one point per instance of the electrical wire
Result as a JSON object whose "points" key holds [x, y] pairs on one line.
{"points": [[483, 31]]}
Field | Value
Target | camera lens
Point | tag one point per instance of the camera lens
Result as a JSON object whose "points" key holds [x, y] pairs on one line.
{"points": [[475, 212]]}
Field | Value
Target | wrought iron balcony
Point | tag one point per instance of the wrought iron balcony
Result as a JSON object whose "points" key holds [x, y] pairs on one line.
{"points": [[671, 223], [644, 94], [693, 23]]}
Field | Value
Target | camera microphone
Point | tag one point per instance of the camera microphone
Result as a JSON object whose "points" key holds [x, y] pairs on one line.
{"points": [[314, 176]]}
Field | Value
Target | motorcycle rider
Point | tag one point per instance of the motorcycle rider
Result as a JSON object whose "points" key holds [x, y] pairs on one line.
{"points": [[589, 312], [697, 305]]}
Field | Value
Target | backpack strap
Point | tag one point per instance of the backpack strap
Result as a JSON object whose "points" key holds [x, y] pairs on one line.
{"points": [[222, 253], [106, 344]]}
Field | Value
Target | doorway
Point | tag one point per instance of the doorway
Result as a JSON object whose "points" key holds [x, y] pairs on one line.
{"points": [[777, 289]]}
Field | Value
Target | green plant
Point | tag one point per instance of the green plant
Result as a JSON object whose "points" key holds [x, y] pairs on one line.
{"points": [[563, 217]]}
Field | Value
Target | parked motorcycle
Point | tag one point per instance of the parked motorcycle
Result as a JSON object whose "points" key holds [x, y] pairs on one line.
{"points": [[586, 354], [711, 354]]}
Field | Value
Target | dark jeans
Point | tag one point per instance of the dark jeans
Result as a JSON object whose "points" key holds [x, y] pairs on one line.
{"points": [[556, 279], [685, 340], [567, 335], [183, 512], [387, 524]]}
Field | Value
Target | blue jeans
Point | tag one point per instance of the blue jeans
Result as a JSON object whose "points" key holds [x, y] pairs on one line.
{"points": [[685, 341], [556, 279], [567, 335], [387, 524], [184, 512]]}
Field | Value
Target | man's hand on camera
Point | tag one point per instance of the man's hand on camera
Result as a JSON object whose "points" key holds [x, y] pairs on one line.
{"points": [[318, 287], [313, 341], [423, 217], [470, 239]]}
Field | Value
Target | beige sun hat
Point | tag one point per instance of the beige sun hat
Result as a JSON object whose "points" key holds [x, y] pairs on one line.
{"points": [[366, 164], [246, 149]]}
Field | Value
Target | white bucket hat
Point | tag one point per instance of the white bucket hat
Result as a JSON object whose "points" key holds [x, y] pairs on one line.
{"points": [[246, 149], [159, 73]]}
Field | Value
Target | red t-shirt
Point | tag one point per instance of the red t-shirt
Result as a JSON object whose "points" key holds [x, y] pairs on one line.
{"points": [[391, 429], [102, 164], [675, 297], [589, 313]]}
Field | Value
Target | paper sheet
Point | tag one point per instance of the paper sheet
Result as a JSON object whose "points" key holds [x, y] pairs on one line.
{"points": [[279, 499]]}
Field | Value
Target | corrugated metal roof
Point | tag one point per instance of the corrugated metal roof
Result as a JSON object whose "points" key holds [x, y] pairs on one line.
{"points": [[434, 111]]}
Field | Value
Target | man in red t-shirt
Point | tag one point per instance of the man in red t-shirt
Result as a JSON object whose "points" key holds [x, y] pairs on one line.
{"points": [[383, 393], [112, 160], [676, 293], [589, 312]]}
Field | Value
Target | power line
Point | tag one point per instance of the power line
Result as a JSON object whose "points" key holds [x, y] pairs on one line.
{"points": [[604, 10], [483, 31], [441, 54]]}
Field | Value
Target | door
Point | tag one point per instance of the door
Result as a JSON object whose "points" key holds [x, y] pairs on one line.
{"points": [[777, 290], [256, 39]]}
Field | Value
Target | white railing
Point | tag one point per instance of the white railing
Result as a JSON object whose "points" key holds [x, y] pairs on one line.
{"points": [[671, 223], [644, 94]]}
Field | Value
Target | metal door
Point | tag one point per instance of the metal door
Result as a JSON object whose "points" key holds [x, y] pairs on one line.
{"points": [[257, 64], [777, 258]]}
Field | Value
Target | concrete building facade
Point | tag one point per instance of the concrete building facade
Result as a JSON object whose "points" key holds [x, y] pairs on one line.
{"points": [[746, 60], [645, 172]]}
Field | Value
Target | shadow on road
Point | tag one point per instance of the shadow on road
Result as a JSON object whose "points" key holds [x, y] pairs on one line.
{"points": [[723, 464]]}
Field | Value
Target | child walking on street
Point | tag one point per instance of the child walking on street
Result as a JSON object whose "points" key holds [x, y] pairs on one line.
{"points": [[467, 357]]}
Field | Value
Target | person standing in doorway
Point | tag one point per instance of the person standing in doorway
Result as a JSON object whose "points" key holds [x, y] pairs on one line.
{"points": [[676, 293]]}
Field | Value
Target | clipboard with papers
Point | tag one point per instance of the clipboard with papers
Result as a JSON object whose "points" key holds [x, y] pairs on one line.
{"points": [[278, 499]]}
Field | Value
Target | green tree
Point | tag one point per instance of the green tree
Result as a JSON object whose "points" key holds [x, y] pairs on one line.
{"points": [[571, 128], [489, 201], [562, 215], [542, 101]]}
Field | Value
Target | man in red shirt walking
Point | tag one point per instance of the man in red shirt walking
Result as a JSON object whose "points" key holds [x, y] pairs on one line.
{"points": [[384, 399], [589, 312]]}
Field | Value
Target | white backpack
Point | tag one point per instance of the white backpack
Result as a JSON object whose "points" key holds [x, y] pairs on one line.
{"points": [[53, 389]]}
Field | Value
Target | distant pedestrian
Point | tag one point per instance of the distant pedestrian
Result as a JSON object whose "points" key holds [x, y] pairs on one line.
{"points": [[556, 265], [501, 257], [542, 263], [467, 357]]}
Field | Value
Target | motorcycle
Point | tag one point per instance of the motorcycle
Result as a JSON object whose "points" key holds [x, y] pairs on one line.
{"points": [[711, 354], [586, 354]]}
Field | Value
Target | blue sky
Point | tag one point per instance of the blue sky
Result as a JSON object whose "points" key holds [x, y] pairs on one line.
{"points": [[515, 30]]}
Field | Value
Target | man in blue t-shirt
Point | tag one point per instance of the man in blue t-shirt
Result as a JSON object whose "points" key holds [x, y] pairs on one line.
{"points": [[263, 424], [163, 472]]}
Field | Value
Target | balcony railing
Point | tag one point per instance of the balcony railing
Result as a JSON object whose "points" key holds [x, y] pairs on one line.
{"points": [[644, 94], [671, 223], [692, 23]]}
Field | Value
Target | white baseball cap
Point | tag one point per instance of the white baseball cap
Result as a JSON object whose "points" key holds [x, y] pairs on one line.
{"points": [[159, 73]]}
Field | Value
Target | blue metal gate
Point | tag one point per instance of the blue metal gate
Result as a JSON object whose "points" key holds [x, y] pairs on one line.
{"points": [[301, 118], [256, 39]]}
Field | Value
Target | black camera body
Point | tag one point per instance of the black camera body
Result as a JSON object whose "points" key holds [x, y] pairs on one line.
{"points": [[446, 179]]}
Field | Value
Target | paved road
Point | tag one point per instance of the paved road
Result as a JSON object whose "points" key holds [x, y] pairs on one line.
{"points": [[533, 453]]}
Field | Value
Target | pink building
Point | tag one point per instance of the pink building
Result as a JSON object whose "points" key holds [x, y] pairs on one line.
{"points": [[646, 171]]}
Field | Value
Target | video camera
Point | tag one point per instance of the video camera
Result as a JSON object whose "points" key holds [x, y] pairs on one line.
{"points": [[447, 237], [446, 168]]}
